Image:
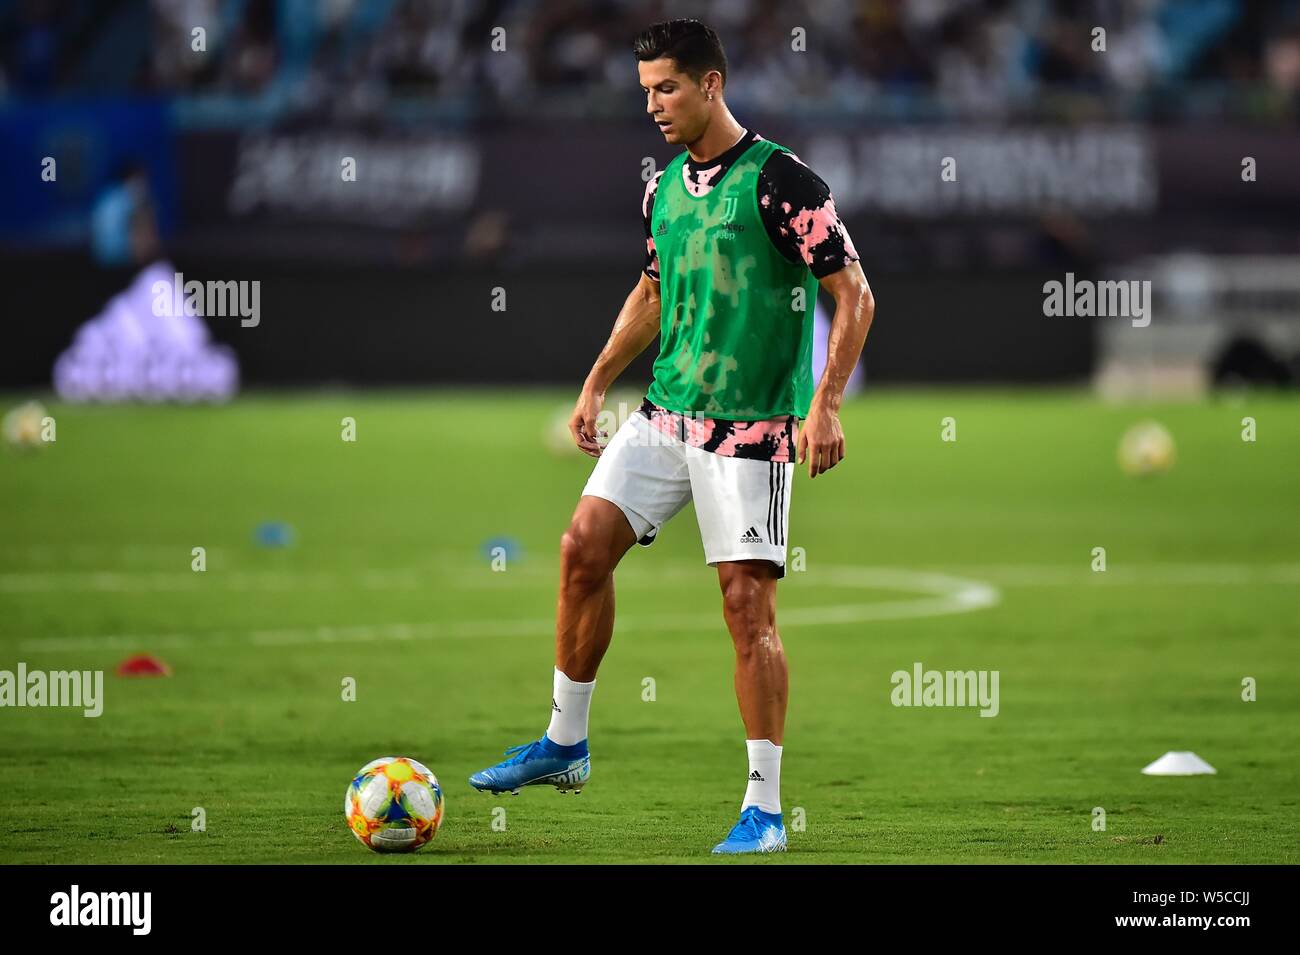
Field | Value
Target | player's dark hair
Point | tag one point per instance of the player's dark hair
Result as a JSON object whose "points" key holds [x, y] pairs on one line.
{"points": [[693, 45]]}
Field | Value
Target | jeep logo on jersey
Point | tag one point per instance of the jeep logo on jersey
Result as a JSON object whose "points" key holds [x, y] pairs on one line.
{"points": [[728, 213]]}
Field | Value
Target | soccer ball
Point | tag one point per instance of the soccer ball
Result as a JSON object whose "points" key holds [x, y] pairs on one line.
{"points": [[394, 804], [23, 425], [1147, 448]]}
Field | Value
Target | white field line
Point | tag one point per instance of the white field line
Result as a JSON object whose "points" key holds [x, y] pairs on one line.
{"points": [[88, 553], [482, 577], [940, 594]]}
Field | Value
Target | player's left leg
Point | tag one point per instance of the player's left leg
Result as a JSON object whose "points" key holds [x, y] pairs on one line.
{"points": [[762, 678], [762, 688], [743, 508]]}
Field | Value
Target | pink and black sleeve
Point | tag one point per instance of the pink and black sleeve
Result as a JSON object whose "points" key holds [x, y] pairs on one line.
{"points": [[799, 213]]}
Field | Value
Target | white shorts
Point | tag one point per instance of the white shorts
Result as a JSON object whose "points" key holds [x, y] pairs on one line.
{"points": [[742, 505]]}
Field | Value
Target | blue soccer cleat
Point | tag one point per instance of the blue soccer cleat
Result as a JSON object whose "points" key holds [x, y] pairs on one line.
{"points": [[757, 831], [539, 763]]}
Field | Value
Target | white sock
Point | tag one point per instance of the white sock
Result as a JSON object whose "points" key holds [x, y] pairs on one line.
{"points": [[569, 706], [764, 789]]}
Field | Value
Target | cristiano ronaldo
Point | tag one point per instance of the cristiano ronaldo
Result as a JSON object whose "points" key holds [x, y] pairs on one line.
{"points": [[739, 233]]}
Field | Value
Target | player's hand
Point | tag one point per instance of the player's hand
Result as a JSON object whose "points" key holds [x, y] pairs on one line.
{"points": [[821, 440], [582, 423]]}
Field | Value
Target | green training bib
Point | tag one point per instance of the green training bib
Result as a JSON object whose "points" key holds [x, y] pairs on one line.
{"points": [[737, 316]]}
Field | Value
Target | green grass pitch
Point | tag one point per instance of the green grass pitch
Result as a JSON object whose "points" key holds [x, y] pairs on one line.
{"points": [[386, 582]]}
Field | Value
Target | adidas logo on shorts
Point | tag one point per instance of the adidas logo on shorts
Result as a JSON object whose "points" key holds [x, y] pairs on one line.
{"points": [[750, 537]]}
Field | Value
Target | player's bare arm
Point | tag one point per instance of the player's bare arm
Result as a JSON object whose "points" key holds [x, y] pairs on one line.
{"points": [[821, 439], [635, 328]]}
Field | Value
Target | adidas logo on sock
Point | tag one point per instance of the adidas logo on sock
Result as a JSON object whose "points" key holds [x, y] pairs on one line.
{"points": [[751, 537], [756, 777], [555, 706]]}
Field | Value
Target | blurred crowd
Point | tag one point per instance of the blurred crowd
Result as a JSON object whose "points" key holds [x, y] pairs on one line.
{"points": [[908, 58]]}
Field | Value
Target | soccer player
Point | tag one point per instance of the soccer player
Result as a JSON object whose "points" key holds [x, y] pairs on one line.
{"points": [[738, 234]]}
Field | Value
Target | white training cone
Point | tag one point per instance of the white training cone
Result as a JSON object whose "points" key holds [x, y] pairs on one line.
{"points": [[1179, 764]]}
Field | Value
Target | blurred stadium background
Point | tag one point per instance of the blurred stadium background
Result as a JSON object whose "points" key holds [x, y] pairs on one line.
{"points": [[226, 163], [522, 169]]}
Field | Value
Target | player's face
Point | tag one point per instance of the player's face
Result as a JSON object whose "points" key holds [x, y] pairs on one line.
{"points": [[674, 101]]}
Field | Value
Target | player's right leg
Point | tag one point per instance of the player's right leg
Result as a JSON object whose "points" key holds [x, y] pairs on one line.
{"points": [[637, 485], [598, 536]]}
